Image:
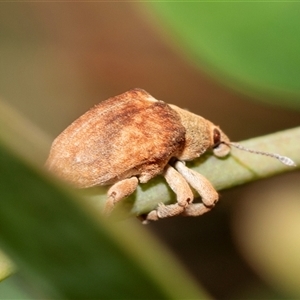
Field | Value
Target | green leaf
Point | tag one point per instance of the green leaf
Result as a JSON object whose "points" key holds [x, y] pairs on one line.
{"points": [[60, 243], [11, 289], [6, 267], [251, 46]]}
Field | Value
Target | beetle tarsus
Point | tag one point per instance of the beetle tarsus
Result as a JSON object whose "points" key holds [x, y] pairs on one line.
{"points": [[152, 216], [196, 209]]}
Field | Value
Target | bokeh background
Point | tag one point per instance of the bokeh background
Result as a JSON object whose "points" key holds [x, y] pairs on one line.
{"points": [[237, 65]]}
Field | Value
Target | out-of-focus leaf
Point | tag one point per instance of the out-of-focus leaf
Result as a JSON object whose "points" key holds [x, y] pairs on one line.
{"points": [[251, 46], [266, 227], [12, 289], [61, 244], [6, 267]]}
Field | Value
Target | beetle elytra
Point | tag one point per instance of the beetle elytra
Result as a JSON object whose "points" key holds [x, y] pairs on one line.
{"points": [[131, 138]]}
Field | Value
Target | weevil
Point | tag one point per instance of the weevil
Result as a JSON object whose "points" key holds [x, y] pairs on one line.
{"points": [[131, 138]]}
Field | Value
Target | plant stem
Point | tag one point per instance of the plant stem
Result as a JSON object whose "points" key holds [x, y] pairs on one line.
{"points": [[238, 168]]}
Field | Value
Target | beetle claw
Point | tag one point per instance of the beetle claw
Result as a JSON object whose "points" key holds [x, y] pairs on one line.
{"points": [[152, 216]]}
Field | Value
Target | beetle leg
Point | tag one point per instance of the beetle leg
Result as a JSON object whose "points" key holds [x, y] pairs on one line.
{"points": [[119, 191], [205, 189], [196, 209], [183, 192], [164, 211], [179, 185]]}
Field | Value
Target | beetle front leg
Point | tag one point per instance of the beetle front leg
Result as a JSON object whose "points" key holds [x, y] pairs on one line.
{"points": [[205, 189], [183, 192], [119, 191]]}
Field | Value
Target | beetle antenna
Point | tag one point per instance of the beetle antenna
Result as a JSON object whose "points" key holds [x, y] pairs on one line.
{"points": [[285, 160]]}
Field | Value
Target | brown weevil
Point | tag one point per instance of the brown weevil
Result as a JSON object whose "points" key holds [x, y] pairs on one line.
{"points": [[131, 138]]}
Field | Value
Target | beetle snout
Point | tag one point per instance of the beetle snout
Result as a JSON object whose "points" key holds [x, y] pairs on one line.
{"points": [[221, 150]]}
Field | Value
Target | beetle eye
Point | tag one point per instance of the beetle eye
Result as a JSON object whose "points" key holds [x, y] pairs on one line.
{"points": [[217, 138]]}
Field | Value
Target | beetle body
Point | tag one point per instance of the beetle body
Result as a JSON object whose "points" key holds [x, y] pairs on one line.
{"points": [[131, 138]]}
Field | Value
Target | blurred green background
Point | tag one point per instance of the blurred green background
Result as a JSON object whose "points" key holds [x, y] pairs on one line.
{"points": [[236, 64]]}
